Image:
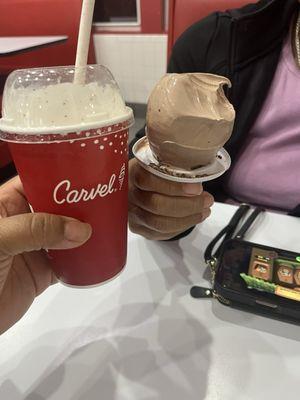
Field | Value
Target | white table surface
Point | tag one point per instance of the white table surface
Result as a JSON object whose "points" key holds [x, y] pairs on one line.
{"points": [[14, 44], [143, 337]]}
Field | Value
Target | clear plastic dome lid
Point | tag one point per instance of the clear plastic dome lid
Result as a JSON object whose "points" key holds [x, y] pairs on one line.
{"points": [[46, 100]]}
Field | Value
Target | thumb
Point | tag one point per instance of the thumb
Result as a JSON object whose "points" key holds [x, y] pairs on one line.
{"points": [[29, 232]]}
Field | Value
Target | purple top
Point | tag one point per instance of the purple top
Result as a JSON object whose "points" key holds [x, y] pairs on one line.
{"points": [[267, 169]]}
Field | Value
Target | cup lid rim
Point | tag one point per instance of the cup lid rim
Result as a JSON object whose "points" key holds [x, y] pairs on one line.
{"points": [[5, 126]]}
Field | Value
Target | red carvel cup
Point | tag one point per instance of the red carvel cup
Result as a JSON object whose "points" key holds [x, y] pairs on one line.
{"points": [[77, 169]]}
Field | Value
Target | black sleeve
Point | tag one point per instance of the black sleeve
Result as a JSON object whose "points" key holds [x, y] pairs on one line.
{"points": [[191, 49], [189, 54]]}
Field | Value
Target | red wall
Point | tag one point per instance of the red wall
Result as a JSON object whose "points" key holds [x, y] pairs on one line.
{"points": [[152, 16], [41, 17]]}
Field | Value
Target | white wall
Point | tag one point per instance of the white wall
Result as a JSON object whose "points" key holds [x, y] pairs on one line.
{"points": [[136, 61]]}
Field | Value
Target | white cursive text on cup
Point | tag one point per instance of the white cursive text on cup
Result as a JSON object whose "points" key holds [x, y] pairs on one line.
{"points": [[62, 192]]}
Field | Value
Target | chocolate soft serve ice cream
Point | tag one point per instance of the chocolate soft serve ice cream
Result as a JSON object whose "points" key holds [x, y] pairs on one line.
{"points": [[189, 119]]}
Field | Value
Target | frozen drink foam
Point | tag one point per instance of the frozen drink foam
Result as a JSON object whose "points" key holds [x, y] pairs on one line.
{"points": [[59, 107]]}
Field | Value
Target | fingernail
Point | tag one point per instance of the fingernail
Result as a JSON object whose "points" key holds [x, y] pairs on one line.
{"points": [[208, 201], [75, 231], [192, 189]]}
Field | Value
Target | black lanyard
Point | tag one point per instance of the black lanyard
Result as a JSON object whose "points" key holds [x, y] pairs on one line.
{"points": [[211, 255], [229, 230]]}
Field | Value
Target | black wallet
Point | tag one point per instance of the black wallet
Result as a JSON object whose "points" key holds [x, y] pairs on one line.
{"points": [[252, 277]]}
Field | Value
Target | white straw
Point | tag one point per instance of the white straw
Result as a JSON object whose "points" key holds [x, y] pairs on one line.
{"points": [[84, 40]]}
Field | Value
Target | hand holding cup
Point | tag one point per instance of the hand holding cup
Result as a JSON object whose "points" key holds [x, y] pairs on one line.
{"points": [[25, 270], [160, 209]]}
